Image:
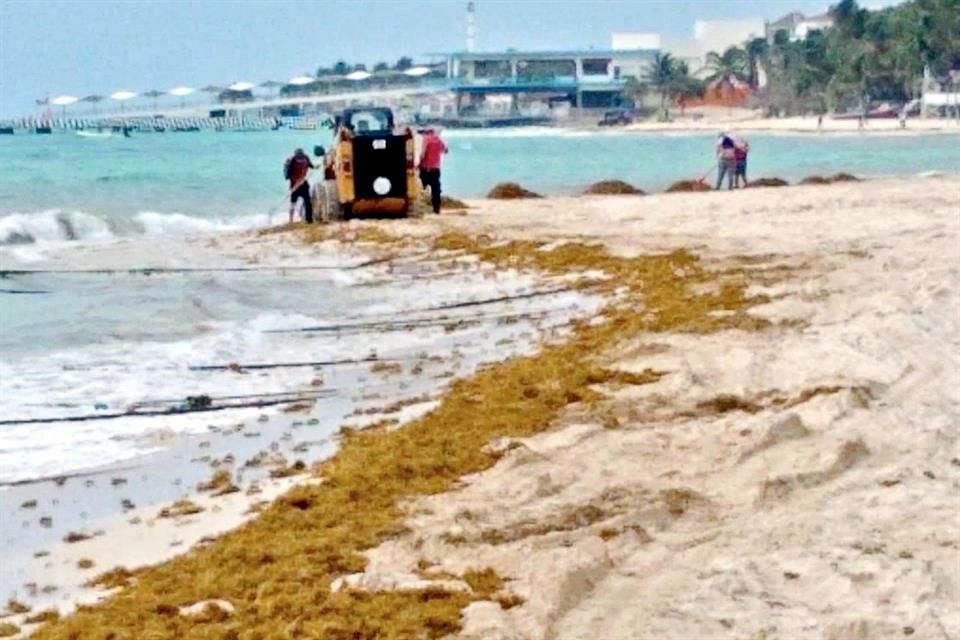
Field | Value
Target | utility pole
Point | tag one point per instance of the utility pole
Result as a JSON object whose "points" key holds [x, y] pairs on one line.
{"points": [[924, 85], [471, 26]]}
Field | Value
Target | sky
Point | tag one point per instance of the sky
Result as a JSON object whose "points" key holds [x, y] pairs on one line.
{"points": [[79, 47]]}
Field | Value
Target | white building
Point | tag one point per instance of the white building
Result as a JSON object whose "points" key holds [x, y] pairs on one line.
{"points": [[719, 35], [708, 35], [798, 25]]}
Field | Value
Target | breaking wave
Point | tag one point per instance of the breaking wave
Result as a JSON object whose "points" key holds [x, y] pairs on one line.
{"points": [[57, 226]]}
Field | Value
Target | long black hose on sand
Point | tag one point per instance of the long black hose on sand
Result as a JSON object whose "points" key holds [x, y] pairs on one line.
{"points": [[146, 271], [197, 404]]}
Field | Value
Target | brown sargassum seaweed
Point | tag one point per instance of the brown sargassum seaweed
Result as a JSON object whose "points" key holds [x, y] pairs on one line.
{"points": [[277, 570]]}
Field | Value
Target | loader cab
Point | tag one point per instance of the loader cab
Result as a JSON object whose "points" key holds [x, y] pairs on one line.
{"points": [[366, 120]]}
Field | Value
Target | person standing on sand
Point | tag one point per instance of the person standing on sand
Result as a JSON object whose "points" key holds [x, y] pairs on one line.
{"points": [[740, 150], [726, 160], [296, 169], [430, 160]]}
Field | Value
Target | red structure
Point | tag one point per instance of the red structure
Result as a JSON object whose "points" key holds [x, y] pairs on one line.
{"points": [[720, 93]]}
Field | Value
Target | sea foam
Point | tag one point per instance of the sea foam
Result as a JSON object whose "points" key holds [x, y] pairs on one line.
{"points": [[54, 226]]}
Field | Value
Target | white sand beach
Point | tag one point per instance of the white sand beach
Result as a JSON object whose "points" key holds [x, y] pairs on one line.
{"points": [[713, 119], [829, 516], [797, 482]]}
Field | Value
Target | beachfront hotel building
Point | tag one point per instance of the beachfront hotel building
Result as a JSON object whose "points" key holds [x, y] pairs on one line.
{"points": [[510, 80], [531, 82]]}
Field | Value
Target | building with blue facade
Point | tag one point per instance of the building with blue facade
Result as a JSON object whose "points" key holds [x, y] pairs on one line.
{"points": [[584, 79]]}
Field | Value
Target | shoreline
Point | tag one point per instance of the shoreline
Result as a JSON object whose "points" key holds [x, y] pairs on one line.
{"points": [[801, 125], [45, 571], [527, 479]]}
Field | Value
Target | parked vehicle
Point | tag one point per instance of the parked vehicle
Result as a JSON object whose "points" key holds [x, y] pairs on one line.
{"points": [[617, 117]]}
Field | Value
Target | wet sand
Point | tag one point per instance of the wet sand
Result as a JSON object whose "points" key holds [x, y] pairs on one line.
{"points": [[62, 530]]}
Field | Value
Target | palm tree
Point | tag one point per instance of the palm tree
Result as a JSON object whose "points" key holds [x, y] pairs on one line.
{"points": [[849, 18], [660, 76], [633, 89], [757, 51], [684, 86], [731, 64]]}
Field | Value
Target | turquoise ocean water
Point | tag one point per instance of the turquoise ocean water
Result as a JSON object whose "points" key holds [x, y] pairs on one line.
{"points": [[232, 176], [70, 202]]}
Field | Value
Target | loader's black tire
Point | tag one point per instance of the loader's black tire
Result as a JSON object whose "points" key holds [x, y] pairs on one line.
{"points": [[332, 211], [318, 199]]}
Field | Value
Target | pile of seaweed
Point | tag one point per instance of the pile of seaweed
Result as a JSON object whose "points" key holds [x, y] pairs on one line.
{"points": [[769, 182], [511, 191], [278, 571], [446, 202], [688, 186], [837, 177], [844, 177], [613, 187]]}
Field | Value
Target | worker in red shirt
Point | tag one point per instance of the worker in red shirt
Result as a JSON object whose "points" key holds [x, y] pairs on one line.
{"points": [[430, 159], [740, 150]]}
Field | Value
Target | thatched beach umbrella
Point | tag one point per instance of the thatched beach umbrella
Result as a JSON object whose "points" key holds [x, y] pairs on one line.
{"points": [[271, 84], [241, 91], [63, 101], [155, 94], [358, 76], [304, 84], [416, 72], [182, 93], [122, 97], [93, 99], [43, 105], [212, 89]]}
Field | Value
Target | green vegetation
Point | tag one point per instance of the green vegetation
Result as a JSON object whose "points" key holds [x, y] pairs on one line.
{"points": [[342, 67], [672, 80], [866, 56], [726, 67], [756, 50]]}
